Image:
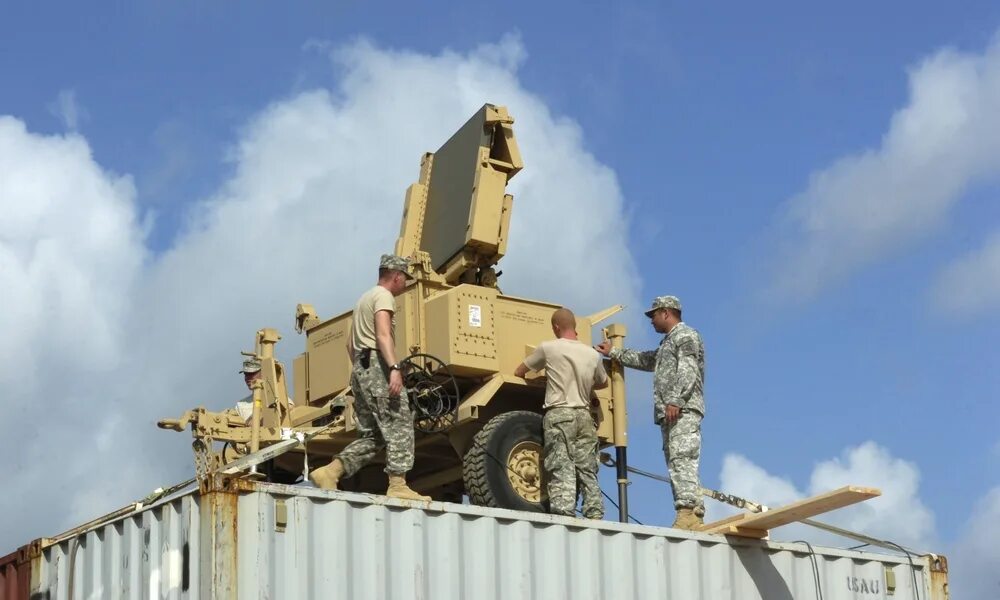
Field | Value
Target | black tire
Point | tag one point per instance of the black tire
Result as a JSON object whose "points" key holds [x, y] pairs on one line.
{"points": [[485, 466]]}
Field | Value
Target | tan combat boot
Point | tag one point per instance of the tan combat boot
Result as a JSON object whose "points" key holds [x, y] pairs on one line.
{"points": [[687, 519], [329, 476], [399, 489]]}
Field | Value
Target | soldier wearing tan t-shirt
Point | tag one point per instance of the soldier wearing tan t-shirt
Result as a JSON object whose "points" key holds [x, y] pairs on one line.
{"points": [[363, 335], [381, 407], [572, 370]]}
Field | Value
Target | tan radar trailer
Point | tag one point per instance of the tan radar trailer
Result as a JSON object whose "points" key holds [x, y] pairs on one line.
{"points": [[478, 426]]}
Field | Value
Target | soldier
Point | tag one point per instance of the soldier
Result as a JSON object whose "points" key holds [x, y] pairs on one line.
{"points": [[380, 403], [678, 367], [251, 373], [573, 371]]}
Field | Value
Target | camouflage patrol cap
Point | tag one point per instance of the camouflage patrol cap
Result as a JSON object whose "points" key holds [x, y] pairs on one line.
{"points": [[250, 365], [664, 302], [396, 263]]}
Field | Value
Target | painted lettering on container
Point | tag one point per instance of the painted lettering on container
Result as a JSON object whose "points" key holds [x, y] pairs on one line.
{"points": [[859, 585], [522, 316], [326, 338]]}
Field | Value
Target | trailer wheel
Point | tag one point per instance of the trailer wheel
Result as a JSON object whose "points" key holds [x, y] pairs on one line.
{"points": [[503, 468]]}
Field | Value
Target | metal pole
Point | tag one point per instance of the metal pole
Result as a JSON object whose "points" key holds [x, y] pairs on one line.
{"points": [[622, 471], [258, 391], [616, 333]]}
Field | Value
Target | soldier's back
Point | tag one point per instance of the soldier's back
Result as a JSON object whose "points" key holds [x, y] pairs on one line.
{"points": [[571, 369]]}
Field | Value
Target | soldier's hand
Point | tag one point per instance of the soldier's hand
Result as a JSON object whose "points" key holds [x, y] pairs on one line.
{"points": [[673, 413], [395, 383], [604, 347]]}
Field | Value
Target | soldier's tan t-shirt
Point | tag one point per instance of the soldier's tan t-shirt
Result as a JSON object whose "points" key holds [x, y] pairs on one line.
{"points": [[572, 369], [363, 323]]}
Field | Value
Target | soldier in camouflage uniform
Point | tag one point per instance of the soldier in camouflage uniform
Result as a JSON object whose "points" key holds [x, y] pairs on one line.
{"points": [[381, 407], [251, 373], [572, 371], [678, 367]]}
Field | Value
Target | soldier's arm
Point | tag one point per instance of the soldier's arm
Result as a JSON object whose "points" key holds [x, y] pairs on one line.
{"points": [[534, 362], [679, 389], [383, 336], [636, 359], [350, 343]]}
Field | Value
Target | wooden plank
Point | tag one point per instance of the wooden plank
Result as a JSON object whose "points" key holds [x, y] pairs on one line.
{"points": [[803, 509], [730, 520], [744, 532]]}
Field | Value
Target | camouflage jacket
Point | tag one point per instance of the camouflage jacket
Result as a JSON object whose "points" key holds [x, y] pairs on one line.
{"points": [[678, 367]]}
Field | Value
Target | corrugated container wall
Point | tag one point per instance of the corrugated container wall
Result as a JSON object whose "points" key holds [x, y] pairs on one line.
{"points": [[15, 576], [283, 542]]}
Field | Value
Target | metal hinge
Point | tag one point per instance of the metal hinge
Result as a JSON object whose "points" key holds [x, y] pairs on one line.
{"points": [[890, 581], [280, 515]]}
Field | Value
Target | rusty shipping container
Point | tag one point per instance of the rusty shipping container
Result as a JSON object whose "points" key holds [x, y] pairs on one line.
{"points": [[15, 575], [259, 540]]}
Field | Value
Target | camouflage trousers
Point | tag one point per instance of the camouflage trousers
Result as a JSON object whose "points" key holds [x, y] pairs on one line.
{"points": [[382, 422], [682, 449], [570, 439]]}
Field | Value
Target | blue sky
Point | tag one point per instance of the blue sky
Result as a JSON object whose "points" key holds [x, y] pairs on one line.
{"points": [[715, 121]]}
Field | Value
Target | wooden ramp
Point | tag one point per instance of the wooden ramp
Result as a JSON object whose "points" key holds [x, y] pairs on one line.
{"points": [[756, 525]]}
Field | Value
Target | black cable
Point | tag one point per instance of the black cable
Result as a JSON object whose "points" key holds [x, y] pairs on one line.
{"points": [[909, 558], [913, 569], [815, 568], [615, 504], [819, 588]]}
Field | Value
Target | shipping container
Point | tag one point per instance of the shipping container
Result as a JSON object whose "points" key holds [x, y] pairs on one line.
{"points": [[261, 540], [15, 575]]}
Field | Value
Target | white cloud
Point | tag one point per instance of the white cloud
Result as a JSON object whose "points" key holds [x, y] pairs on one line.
{"points": [[975, 557], [315, 196], [71, 251], [742, 477], [971, 284], [866, 206], [67, 109], [897, 515]]}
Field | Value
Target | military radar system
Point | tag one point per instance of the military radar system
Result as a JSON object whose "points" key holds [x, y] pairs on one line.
{"points": [[478, 426]]}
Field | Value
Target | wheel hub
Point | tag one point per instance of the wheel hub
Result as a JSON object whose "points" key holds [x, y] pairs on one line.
{"points": [[524, 470]]}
